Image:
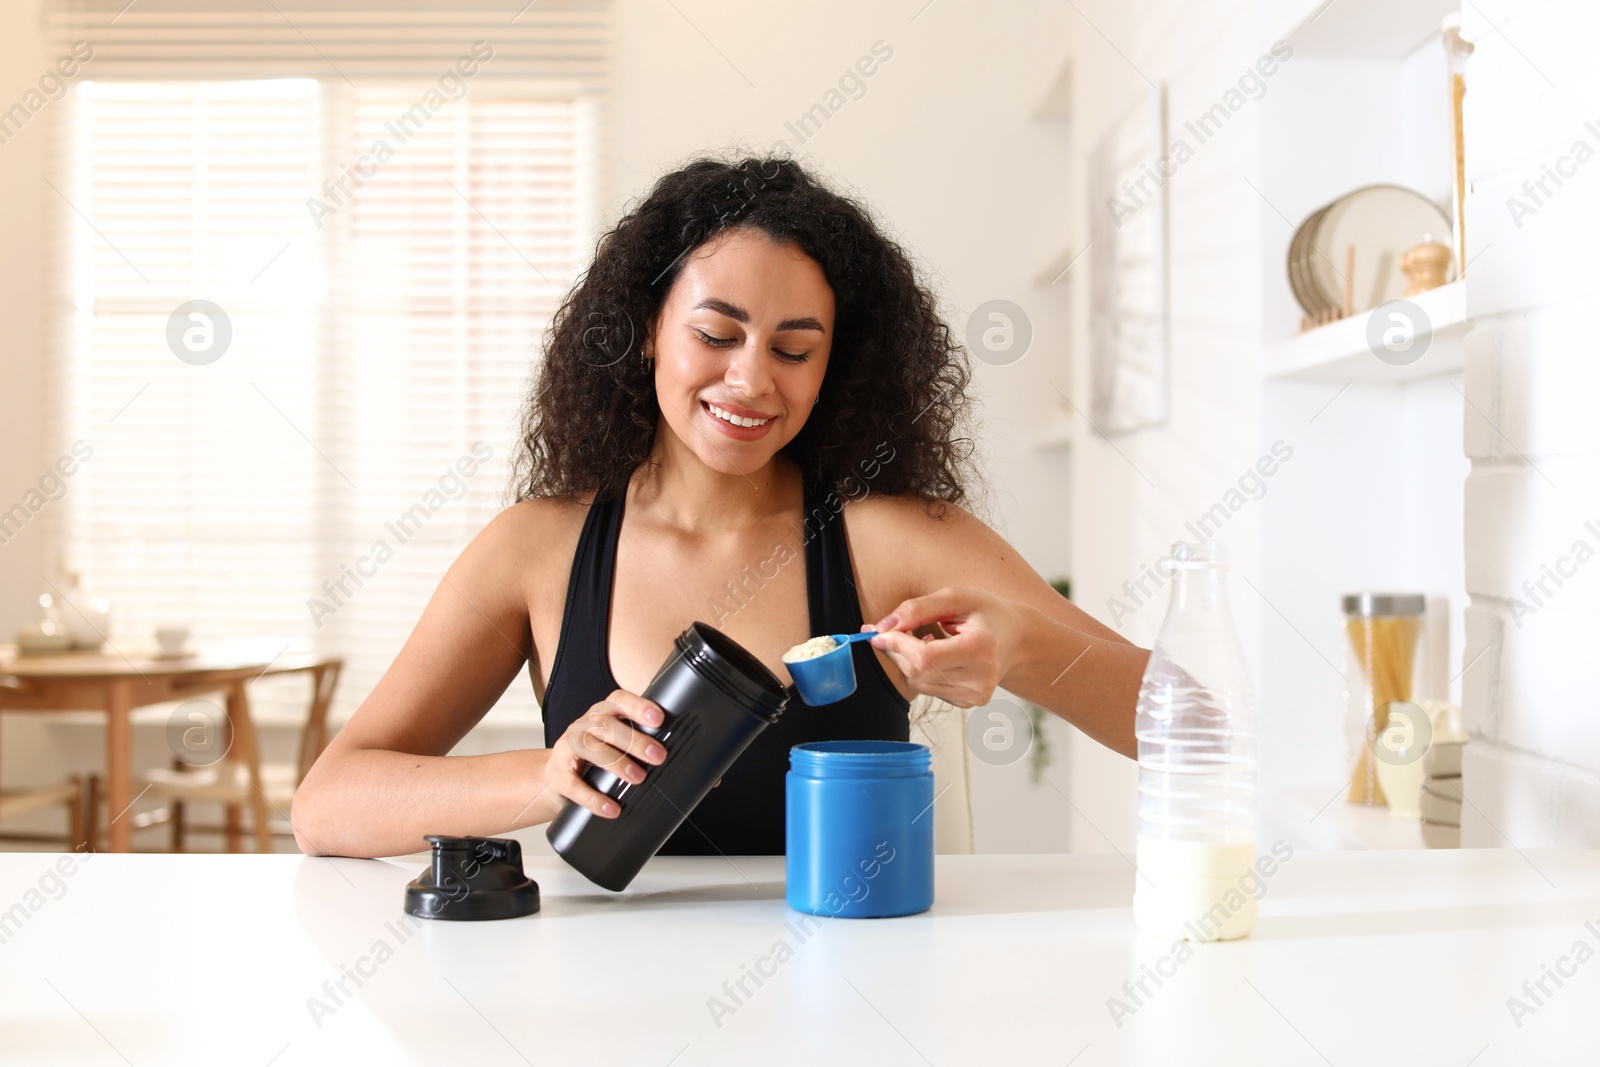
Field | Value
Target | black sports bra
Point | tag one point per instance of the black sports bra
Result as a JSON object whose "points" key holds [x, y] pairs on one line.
{"points": [[744, 815]]}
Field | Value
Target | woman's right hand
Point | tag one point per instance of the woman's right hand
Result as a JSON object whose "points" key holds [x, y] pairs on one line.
{"points": [[604, 736]]}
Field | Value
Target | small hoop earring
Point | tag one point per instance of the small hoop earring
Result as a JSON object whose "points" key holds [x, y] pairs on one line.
{"points": [[815, 399]]}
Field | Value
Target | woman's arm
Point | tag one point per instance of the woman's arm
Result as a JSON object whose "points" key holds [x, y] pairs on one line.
{"points": [[1006, 628], [385, 780]]}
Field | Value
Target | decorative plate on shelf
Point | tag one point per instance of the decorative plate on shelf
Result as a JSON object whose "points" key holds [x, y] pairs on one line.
{"points": [[1299, 275], [1380, 222]]}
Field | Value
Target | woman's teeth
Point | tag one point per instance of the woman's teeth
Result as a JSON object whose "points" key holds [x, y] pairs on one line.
{"points": [[737, 420]]}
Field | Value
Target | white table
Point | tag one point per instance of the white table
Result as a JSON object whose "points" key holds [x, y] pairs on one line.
{"points": [[1358, 958]]}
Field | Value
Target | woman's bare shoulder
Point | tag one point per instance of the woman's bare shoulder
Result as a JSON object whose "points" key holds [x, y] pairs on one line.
{"points": [[896, 540], [517, 567], [883, 514], [530, 540], [546, 522], [544, 515]]}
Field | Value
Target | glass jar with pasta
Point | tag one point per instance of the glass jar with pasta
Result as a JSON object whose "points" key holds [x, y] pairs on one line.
{"points": [[1383, 631]]}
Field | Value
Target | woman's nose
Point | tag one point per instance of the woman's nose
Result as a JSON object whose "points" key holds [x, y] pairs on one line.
{"points": [[748, 371]]}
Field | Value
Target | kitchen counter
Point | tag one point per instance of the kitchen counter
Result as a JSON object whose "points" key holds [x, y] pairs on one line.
{"points": [[1391, 957]]}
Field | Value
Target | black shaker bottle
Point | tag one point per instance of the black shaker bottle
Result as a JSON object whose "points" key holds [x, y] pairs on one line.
{"points": [[717, 697]]}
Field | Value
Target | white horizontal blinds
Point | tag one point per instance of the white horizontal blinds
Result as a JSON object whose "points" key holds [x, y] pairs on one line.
{"points": [[317, 480], [452, 257], [195, 504], [567, 40]]}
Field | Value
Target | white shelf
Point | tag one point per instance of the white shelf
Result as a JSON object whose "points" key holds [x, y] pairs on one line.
{"points": [[1338, 352], [1356, 29], [1323, 814]]}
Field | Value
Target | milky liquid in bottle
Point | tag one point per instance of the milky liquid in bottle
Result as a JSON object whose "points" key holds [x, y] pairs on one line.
{"points": [[1196, 731]]}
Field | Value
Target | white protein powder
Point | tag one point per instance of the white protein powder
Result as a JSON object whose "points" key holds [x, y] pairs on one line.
{"points": [[817, 646]]}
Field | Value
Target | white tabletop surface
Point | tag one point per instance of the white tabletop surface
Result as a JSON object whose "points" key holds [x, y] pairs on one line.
{"points": [[1398, 957]]}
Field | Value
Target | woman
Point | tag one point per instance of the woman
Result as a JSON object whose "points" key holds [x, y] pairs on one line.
{"points": [[748, 414]]}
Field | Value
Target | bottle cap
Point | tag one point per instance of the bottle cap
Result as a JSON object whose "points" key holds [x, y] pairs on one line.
{"points": [[1368, 605], [473, 878], [1187, 555]]}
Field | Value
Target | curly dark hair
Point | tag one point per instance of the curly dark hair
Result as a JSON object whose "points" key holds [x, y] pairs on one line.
{"points": [[895, 372]]}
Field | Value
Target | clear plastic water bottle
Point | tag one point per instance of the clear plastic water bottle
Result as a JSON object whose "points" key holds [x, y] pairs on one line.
{"points": [[1196, 728]]}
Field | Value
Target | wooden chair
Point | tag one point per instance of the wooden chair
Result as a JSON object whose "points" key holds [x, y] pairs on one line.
{"points": [[242, 780], [73, 794]]}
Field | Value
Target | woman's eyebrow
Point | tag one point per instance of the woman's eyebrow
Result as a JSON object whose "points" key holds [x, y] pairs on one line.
{"points": [[739, 314], [722, 307]]}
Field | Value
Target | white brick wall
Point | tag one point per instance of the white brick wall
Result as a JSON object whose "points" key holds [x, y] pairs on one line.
{"points": [[1528, 688], [1524, 516], [1515, 799], [1545, 406], [1532, 430]]}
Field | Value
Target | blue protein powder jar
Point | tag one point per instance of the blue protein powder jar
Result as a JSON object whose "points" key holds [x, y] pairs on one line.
{"points": [[858, 829]]}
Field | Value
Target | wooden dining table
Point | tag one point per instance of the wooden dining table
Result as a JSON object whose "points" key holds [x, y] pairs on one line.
{"points": [[115, 682]]}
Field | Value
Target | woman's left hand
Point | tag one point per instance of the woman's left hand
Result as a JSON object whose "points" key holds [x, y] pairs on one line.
{"points": [[963, 669]]}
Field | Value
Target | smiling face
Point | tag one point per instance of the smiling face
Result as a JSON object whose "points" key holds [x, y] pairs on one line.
{"points": [[740, 347]]}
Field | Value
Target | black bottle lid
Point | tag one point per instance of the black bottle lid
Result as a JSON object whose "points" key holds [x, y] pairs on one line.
{"points": [[473, 878]]}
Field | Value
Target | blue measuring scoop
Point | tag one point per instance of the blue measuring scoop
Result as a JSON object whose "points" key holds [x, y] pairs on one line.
{"points": [[831, 676]]}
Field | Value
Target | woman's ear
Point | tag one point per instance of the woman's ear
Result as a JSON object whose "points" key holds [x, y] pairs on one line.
{"points": [[646, 348]]}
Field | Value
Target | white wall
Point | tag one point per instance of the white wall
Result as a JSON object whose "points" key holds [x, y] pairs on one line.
{"points": [[22, 380], [1532, 769], [26, 745]]}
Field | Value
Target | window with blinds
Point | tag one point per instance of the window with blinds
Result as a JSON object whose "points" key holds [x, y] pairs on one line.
{"points": [[381, 270]]}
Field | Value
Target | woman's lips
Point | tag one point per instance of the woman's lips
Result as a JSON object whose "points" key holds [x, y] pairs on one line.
{"points": [[738, 433]]}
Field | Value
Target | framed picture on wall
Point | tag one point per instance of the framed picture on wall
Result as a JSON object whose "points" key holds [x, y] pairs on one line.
{"points": [[1128, 327]]}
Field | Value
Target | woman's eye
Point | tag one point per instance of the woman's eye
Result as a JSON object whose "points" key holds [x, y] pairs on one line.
{"points": [[724, 342]]}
